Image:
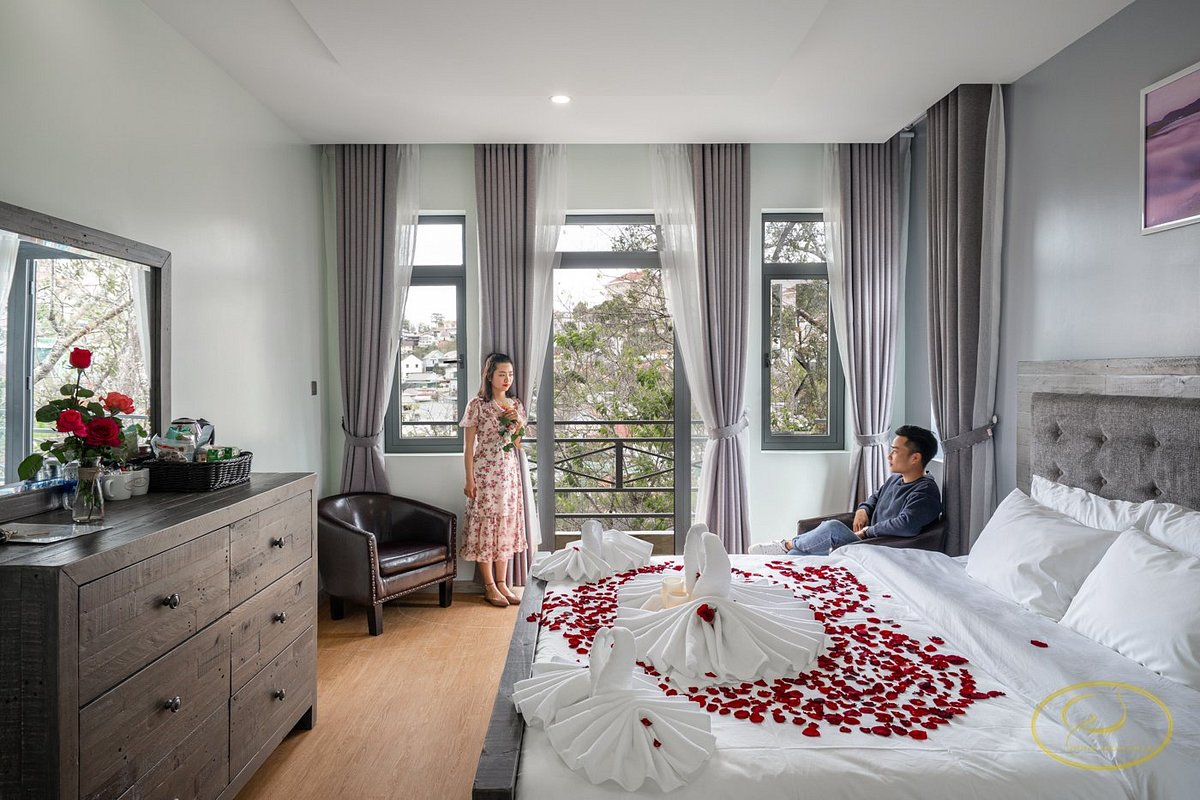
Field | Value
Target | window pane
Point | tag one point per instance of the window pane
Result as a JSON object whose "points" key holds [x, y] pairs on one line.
{"points": [[614, 396], [631, 238], [794, 242], [97, 303], [439, 245], [799, 356], [427, 367]]}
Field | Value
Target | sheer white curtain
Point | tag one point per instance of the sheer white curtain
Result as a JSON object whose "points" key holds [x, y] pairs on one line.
{"points": [[550, 213], [408, 211], [9, 244], [675, 213]]}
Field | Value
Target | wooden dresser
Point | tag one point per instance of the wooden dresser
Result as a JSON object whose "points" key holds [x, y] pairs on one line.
{"points": [[165, 657]]}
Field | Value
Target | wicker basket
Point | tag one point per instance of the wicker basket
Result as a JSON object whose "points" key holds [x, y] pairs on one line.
{"points": [[174, 476]]}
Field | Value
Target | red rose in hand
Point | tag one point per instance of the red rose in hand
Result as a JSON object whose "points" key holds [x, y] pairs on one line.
{"points": [[120, 403], [706, 612], [80, 358], [71, 421], [103, 432]]}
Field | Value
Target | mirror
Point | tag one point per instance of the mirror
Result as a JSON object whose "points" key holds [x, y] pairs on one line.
{"points": [[64, 286]]}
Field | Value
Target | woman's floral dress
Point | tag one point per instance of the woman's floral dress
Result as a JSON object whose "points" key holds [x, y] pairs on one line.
{"points": [[496, 517]]}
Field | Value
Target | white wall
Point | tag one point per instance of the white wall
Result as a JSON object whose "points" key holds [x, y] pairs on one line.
{"points": [[784, 486], [112, 120]]}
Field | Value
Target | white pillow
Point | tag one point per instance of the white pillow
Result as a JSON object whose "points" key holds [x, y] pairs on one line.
{"points": [[1036, 556], [1141, 601], [1090, 509], [1175, 526]]}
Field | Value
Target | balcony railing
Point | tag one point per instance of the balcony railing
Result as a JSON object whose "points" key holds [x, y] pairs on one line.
{"points": [[613, 465]]}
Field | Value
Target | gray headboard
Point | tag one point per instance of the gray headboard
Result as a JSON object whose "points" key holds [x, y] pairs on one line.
{"points": [[1127, 429]]}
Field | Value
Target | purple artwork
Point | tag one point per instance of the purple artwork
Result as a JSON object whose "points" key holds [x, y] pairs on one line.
{"points": [[1171, 151]]}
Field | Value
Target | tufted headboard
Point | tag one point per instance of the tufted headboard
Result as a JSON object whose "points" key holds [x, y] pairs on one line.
{"points": [[1127, 429]]}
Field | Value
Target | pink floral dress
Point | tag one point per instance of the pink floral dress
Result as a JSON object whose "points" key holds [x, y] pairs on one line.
{"points": [[496, 517]]}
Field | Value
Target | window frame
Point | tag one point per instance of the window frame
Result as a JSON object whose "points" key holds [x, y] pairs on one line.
{"points": [[433, 275], [771, 271], [682, 478]]}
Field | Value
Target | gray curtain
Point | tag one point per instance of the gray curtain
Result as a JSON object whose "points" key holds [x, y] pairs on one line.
{"points": [[506, 196], [375, 234], [966, 189], [721, 181], [866, 224]]}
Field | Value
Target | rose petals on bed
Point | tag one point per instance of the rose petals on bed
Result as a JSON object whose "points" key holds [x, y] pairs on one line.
{"points": [[1038, 643], [874, 677]]}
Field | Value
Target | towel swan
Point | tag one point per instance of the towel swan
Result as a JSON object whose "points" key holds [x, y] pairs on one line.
{"points": [[598, 554], [611, 722], [725, 633]]}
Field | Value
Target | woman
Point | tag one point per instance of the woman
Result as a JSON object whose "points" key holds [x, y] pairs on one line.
{"points": [[494, 424]]}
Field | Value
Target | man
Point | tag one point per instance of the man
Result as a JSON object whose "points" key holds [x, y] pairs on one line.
{"points": [[906, 503]]}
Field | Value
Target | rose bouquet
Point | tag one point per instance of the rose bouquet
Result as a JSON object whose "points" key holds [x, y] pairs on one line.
{"points": [[512, 430], [93, 433]]}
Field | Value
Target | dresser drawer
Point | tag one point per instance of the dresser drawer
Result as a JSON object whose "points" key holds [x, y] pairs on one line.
{"points": [[129, 730], [197, 769], [268, 545], [268, 622], [274, 698], [134, 615]]}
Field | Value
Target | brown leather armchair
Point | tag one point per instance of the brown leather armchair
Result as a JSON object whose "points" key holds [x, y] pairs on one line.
{"points": [[931, 537], [374, 547]]}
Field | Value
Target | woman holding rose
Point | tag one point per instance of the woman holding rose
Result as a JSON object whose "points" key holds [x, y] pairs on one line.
{"points": [[494, 423]]}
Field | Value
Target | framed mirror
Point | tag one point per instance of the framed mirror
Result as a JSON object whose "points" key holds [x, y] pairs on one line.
{"points": [[64, 286]]}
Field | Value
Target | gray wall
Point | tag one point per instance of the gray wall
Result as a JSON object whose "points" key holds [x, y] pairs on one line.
{"points": [[1080, 280]]}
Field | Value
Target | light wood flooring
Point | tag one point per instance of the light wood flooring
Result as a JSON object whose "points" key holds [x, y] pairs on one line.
{"points": [[401, 715]]}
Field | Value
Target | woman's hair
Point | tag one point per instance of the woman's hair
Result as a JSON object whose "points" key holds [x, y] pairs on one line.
{"points": [[489, 369]]}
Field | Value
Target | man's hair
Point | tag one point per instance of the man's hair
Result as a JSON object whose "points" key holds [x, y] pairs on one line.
{"points": [[919, 441]]}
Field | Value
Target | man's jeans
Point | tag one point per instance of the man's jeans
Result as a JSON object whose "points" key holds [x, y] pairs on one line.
{"points": [[821, 540]]}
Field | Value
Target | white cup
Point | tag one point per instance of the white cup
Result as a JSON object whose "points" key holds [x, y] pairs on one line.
{"points": [[116, 486], [139, 481]]}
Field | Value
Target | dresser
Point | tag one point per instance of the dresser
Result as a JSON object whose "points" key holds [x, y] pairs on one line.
{"points": [[165, 657]]}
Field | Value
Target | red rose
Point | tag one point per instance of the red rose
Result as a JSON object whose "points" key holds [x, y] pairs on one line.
{"points": [[71, 421], [707, 613], [80, 358], [103, 432], [121, 403]]}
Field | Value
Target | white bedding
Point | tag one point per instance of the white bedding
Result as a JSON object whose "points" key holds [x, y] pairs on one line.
{"points": [[989, 752]]}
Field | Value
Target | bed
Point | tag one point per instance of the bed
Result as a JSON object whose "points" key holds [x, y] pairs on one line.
{"points": [[1125, 429]]}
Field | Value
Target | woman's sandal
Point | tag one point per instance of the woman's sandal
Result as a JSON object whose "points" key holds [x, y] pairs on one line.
{"points": [[500, 602], [512, 597]]}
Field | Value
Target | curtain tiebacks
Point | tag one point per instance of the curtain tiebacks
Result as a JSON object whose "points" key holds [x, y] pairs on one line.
{"points": [[873, 439], [361, 441], [729, 431], [970, 438]]}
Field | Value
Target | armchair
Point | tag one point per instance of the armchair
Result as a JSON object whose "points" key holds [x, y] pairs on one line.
{"points": [[931, 537], [374, 547]]}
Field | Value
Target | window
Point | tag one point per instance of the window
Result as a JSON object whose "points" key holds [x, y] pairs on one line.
{"points": [[429, 392], [609, 446], [803, 395]]}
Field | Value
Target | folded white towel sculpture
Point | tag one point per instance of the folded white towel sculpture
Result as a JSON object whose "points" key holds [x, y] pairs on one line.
{"points": [[598, 554], [725, 632], [611, 722]]}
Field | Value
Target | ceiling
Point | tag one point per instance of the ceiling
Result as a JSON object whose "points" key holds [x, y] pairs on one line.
{"points": [[637, 70]]}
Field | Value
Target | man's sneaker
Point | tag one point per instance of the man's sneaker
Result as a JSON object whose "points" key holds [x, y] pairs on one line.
{"points": [[767, 549]]}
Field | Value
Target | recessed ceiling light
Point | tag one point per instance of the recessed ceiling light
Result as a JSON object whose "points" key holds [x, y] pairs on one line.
{"points": [[561, 99]]}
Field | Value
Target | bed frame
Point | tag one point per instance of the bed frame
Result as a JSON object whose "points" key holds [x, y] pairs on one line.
{"points": [[1125, 428]]}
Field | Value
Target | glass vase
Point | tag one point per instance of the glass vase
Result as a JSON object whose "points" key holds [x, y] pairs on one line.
{"points": [[89, 493]]}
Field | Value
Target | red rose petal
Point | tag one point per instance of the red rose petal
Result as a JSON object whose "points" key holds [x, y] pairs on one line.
{"points": [[1038, 643]]}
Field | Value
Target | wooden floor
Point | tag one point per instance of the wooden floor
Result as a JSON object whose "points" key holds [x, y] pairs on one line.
{"points": [[401, 715]]}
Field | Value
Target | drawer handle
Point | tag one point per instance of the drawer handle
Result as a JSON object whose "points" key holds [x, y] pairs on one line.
{"points": [[174, 704], [281, 616], [277, 543], [171, 600], [280, 694]]}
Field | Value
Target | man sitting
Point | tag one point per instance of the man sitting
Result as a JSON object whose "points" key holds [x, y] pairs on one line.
{"points": [[906, 503]]}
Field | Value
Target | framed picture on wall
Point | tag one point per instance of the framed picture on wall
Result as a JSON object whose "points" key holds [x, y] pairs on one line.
{"points": [[1171, 151]]}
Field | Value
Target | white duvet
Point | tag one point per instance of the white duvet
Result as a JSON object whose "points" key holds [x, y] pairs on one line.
{"points": [[989, 752]]}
